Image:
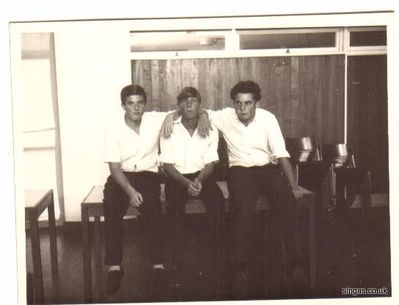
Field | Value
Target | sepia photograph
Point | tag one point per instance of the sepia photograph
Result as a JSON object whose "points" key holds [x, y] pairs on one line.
{"points": [[204, 157]]}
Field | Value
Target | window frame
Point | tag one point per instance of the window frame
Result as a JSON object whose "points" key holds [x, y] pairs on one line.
{"points": [[232, 44]]}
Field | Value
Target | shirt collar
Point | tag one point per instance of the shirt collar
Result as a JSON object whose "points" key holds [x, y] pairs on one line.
{"points": [[177, 121]]}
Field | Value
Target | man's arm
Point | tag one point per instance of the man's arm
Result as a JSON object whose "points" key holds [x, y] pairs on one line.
{"points": [[167, 125], [196, 188], [175, 174], [206, 172], [204, 124], [296, 189], [193, 187], [135, 198]]}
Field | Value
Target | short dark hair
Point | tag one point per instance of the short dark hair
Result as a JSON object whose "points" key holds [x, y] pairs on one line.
{"points": [[188, 92], [132, 90], [247, 86]]}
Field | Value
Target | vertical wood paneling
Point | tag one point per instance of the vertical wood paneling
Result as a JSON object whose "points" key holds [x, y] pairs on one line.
{"points": [[147, 83], [279, 85], [334, 125], [310, 96], [156, 90], [305, 93], [203, 82], [295, 112], [164, 95]]}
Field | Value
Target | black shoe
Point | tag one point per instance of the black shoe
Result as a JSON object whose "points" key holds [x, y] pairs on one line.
{"points": [[114, 281]]}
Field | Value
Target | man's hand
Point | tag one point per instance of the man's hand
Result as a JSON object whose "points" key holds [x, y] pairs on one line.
{"points": [[194, 188], [135, 198], [167, 126], [161, 170], [298, 191], [204, 124]]}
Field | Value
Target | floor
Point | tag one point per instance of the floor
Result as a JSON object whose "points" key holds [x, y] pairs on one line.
{"points": [[353, 252]]}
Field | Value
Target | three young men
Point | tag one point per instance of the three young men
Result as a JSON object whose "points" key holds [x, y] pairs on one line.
{"points": [[254, 141]]}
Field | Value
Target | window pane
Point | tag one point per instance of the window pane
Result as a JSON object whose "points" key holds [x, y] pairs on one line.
{"points": [[258, 40], [37, 95], [176, 41], [368, 38]]}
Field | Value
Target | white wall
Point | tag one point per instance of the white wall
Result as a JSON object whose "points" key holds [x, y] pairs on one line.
{"points": [[92, 64]]}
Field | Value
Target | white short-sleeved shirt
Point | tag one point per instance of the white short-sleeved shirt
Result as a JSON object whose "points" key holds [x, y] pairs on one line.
{"points": [[136, 152], [259, 143], [189, 154]]}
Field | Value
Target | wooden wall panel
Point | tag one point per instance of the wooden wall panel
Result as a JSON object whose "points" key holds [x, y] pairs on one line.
{"points": [[305, 93]]}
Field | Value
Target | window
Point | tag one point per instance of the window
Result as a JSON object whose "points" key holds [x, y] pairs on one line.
{"points": [[177, 41], [248, 42], [285, 39], [39, 123], [374, 36]]}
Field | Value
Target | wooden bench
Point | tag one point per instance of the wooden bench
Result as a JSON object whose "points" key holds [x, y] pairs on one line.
{"points": [[92, 211]]}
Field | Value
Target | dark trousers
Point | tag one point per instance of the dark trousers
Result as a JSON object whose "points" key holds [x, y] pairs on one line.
{"points": [[212, 197], [116, 203], [245, 185]]}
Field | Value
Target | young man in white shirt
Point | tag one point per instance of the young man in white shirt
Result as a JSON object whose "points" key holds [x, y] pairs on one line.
{"points": [[188, 160], [131, 150], [254, 141]]}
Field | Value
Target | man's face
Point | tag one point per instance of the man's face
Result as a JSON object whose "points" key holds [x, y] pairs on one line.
{"points": [[189, 108], [134, 107], [245, 107]]}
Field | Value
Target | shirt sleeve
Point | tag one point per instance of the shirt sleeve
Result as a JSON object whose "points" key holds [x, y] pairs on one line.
{"points": [[211, 154], [111, 147], [275, 140], [167, 153], [218, 117], [157, 118]]}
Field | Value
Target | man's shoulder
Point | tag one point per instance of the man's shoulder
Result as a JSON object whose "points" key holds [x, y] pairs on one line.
{"points": [[224, 113], [264, 113]]}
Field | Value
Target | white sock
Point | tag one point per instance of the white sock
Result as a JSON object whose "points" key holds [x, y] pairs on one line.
{"points": [[158, 266], [114, 268]]}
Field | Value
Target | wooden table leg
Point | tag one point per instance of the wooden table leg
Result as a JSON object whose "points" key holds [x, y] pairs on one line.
{"points": [[36, 256], [86, 256], [53, 252], [97, 256]]}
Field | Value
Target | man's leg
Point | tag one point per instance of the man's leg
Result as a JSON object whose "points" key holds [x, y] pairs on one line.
{"points": [[213, 199], [243, 192], [115, 206], [148, 184], [176, 195]]}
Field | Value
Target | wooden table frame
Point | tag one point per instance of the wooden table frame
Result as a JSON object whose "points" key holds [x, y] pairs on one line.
{"points": [[32, 212]]}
